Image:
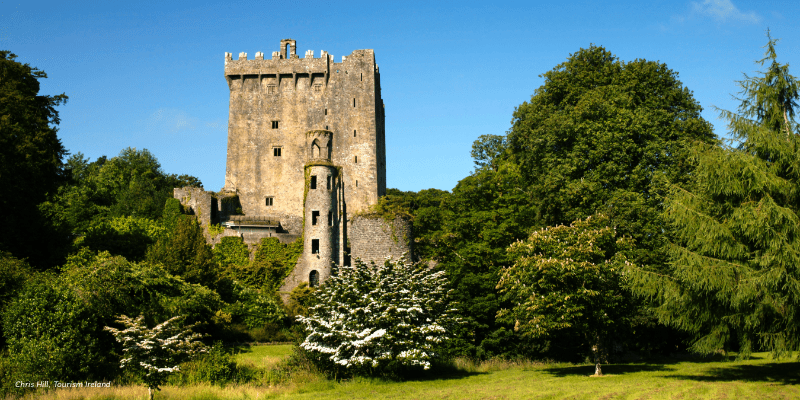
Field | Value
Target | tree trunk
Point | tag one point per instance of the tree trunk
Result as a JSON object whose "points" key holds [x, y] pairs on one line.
{"points": [[596, 351], [150, 391], [786, 120]]}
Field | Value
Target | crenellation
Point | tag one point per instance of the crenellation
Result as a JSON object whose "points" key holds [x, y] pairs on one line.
{"points": [[259, 55], [242, 56], [309, 53]]}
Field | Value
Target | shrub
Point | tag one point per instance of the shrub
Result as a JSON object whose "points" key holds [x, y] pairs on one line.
{"points": [[254, 308], [378, 319], [51, 332], [300, 299], [154, 353], [216, 367]]}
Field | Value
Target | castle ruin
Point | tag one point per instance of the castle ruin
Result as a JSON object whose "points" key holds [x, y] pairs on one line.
{"points": [[306, 153]]}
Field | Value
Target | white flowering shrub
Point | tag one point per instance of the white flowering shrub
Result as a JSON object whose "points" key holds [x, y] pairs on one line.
{"points": [[373, 317], [155, 353]]}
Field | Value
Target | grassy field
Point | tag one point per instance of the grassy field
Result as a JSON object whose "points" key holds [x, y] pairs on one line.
{"points": [[757, 378], [262, 356]]}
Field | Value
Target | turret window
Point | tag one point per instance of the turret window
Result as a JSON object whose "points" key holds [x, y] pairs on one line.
{"points": [[329, 182], [313, 279], [330, 218], [354, 133], [276, 151], [314, 217], [313, 182], [314, 246], [355, 159], [275, 124], [269, 201]]}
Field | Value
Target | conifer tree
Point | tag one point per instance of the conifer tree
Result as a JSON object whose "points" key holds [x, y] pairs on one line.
{"points": [[734, 279]]}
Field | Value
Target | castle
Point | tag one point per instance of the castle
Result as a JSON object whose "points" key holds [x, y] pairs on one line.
{"points": [[306, 155]]}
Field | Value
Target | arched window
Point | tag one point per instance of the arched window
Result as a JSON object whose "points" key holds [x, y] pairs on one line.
{"points": [[313, 279], [315, 149]]}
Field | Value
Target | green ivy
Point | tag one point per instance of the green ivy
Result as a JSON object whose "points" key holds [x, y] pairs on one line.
{"points": [[231, 250], [215, 229]]}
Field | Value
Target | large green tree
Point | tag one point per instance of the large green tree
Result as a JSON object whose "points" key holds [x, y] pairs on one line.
{"points": [[568, 278], [467, 232], [734, 280], [606, 135], [132, 184], [30, 158]]}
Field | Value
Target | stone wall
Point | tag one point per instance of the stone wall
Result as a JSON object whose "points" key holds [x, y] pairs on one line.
{"points": [[200, 203], [373, 239], [274, 102]]}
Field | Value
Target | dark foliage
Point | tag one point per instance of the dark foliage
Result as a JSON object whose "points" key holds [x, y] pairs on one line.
{"points": [[30, 162]]}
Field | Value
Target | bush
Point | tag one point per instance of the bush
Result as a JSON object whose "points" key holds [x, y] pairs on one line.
{"points": [[155, 353], [216, 367], [13, 275], [53, 333], [254, 308], [378, 319], [300, 299]]}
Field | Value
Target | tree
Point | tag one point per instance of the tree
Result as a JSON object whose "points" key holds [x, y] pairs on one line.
{"points": [[378, 318], [155, 352], [603, 135], [131, 184], [30, 158], [467, 233], [734, 277], [183, 251], [568, 278]]}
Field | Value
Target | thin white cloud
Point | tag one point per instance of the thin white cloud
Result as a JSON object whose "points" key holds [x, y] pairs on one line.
{"points": [[178, 121], [724, 11]]}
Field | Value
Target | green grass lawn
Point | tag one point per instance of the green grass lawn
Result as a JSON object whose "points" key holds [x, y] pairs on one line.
{"points": [[687, 378], [262, 356], [758, 378]]}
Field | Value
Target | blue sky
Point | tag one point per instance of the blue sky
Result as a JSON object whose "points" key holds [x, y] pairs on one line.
{"points": [[150, 74]]}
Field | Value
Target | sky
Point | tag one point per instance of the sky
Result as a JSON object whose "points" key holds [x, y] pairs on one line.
{"points": [[149, 75]]}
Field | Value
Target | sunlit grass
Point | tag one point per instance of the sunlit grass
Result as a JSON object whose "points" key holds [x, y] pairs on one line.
{"points": [[687, 378], [262, 356]]}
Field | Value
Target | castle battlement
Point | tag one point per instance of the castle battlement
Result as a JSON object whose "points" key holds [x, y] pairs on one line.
{"points": [[283, 62]]}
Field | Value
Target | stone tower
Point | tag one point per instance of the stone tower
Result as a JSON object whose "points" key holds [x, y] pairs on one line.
{"points": [[274, 102], [305, 143], [306, 153]]}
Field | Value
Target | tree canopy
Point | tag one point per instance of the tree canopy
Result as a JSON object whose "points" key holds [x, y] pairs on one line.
{"points": [[30, 156], [605, 135], [734, 280], [568, 278]]}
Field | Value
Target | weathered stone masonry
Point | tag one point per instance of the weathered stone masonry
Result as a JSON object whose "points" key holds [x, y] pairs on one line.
{"points": [[306, 149]]}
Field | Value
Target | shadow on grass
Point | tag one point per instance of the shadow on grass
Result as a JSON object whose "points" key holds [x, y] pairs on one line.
{"points": [[438, 372], [783, 373], [239, 348], [608, 369]]}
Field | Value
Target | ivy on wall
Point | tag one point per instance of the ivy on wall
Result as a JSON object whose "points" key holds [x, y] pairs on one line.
{"points": [[272, 262]]}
